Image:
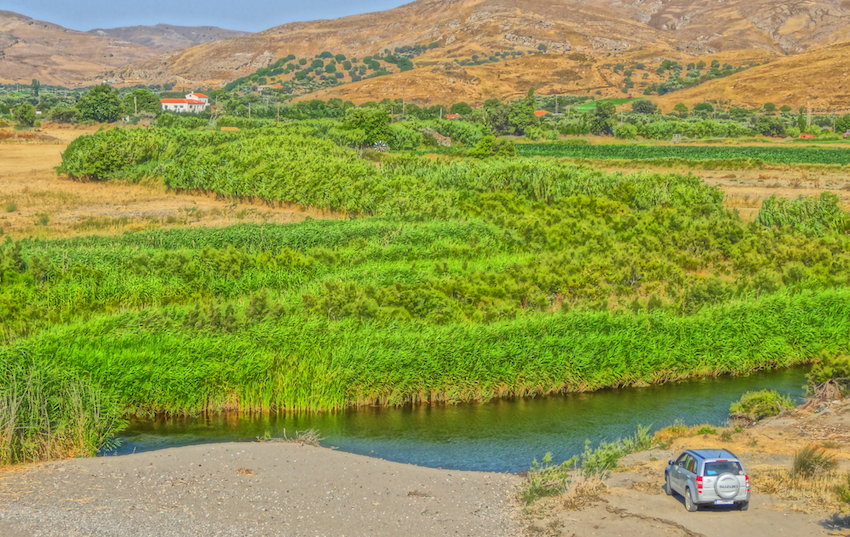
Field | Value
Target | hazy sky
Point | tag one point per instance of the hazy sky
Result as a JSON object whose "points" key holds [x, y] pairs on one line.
{"points": [[247, 15]]}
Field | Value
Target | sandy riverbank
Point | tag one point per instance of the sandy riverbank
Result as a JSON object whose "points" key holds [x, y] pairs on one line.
{"points": [[251, 489], [293, 490]]}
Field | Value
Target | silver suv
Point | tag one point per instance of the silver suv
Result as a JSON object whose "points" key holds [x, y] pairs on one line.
{"points": [[708, 477]]}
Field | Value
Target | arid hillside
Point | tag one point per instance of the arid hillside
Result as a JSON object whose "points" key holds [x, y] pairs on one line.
{"points": [[164, 38], [603, 28], [820, 79], [55, 55]]}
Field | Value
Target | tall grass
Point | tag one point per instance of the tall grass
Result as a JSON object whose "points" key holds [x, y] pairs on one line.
{"points": [[46, 414], [813, 215], [153, 363]]}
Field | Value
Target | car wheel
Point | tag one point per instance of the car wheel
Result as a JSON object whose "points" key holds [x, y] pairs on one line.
{"points": [[668, 486], [689, 503], [743, 506]]}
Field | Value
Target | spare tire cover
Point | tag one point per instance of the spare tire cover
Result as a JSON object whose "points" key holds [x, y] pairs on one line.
{"points": [[727, 486]]}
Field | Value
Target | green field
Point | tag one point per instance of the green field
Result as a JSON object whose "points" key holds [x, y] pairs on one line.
{"points": [[773, 155], [590, 106]]}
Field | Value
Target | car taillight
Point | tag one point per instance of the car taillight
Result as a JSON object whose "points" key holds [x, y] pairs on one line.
{"points": [[699, 484], [747, 478]]}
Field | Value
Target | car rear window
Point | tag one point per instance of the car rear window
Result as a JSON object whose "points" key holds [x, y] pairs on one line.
{"points": [[724, 467]]}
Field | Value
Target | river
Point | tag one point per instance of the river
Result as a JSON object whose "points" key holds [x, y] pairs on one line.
{"points": [[503, 435]]}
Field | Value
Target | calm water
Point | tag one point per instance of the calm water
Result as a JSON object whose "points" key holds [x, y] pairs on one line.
{"points": [[499, 436]]}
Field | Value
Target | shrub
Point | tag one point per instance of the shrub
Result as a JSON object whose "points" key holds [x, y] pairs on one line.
{"points": [[625, 132], [644, 106], [756, 406], [833, 369], [490, 146], [811, 461]]}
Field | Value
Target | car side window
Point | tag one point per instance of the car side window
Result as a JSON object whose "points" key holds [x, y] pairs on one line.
{"points": [[682, 461], [692, 465]]}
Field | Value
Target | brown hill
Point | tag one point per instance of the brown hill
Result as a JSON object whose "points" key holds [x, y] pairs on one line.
{"points": [[601, 28], [820, 78], [55, 55], [164, 38]]}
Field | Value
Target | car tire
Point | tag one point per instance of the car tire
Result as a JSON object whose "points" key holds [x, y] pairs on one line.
{"points": [[668, 487], [689, 502], [743, 506]]}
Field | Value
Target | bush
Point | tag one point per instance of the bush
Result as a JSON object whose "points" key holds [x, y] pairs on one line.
{"points": [[490, 146], [644, 107], [756, 406], [625, 132], [834, 369], [812, 461]]}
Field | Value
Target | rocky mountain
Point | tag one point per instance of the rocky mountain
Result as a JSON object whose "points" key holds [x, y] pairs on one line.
{"points": [[31, 48], [164, 38]]}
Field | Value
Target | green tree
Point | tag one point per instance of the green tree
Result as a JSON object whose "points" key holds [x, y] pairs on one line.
{"points": [[302, 61], [542, 47], [703, 107], [843, 124], [785, 109], [326, 54], [374, 122], [602, 119], [770, 126], [460, 108], [770, 108], [644, 106], [339, 58], [701, 65], [434, 44], [145, 101], [681, 108], [330, 68], [36, 86], [24, 115], [521, 113], [62, 114], [101, 104]]}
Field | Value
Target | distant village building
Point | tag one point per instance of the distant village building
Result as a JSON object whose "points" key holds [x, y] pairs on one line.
{"points": [[193, 103]]}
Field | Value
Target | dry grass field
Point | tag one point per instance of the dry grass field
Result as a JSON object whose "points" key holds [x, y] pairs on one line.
{"points": [[35, 202]]}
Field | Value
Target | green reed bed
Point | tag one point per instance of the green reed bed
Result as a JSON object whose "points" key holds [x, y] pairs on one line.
{"points": [[153, 363], [50, 413], [467, 281]]}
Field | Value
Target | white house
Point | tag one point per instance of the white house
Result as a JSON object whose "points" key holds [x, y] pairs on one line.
{"points": [[198, 97], [193, 103]]}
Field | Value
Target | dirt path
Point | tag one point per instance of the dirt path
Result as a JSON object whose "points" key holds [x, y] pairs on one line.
{"points": [[251, 489]]}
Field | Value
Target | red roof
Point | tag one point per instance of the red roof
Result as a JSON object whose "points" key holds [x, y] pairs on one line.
{"points": [[540, 113], [199, 95], [181, 101], [452, 116]]}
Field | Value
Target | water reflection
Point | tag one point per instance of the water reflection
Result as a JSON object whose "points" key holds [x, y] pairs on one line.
{"points": [[502, 435]]}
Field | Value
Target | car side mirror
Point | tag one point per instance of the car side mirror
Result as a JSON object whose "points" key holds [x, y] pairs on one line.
{"points": [[671, 462]]}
